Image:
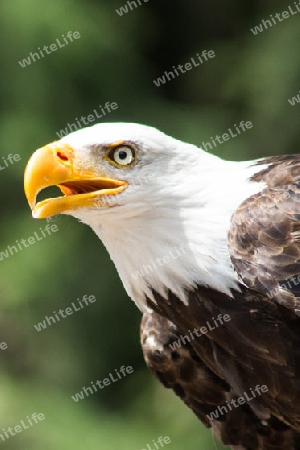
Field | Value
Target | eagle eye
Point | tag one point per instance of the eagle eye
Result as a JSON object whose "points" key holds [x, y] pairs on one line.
{"points": [[123, 155]]}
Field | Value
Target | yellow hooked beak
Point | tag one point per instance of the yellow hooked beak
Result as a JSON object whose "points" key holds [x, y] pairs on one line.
{"points": [[53, 165]]}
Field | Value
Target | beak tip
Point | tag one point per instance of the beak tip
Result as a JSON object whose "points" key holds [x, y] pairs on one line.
{"points": [[43, 169]]}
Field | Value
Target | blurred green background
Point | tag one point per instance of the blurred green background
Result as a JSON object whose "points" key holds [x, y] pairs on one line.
{"points": [[116, 59]]}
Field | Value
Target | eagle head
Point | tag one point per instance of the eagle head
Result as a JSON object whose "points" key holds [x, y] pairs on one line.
{"points": [[154, 201]]}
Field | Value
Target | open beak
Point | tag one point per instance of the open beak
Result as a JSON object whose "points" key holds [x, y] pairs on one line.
{"points": [[53, 165]]}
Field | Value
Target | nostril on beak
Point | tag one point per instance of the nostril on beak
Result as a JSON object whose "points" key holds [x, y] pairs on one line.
{"points": [[62, 156]]}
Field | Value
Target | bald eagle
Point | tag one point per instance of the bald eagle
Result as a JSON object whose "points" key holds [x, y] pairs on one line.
{"points": [[209, 250]]}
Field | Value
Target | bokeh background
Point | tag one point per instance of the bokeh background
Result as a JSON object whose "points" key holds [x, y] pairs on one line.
{"points": [[116, 60]]}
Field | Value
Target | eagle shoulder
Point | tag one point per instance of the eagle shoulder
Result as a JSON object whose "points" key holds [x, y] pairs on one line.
{"points": [[264, 235]]}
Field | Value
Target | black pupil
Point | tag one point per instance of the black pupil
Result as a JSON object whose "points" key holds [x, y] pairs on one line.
{"points": [[122, 154]]}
